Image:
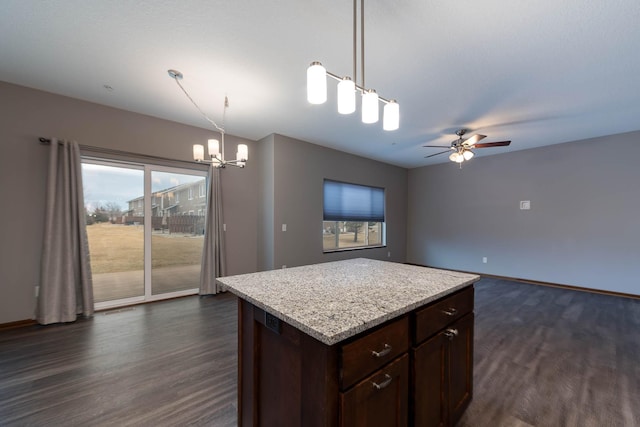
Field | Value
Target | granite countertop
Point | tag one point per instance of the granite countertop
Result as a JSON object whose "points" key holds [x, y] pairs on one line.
{"points": [[334, 301]]}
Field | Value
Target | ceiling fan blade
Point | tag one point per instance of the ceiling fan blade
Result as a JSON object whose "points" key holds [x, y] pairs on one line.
{"points": [[431, 155], [437, 146], [474, 139], [493, 144]]}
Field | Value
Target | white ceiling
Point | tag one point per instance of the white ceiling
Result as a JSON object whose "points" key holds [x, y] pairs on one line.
{"points": [[535, 72]]}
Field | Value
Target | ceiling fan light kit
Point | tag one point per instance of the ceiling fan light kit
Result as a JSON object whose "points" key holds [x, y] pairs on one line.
{"points": [[462, 147], [347, 88]]}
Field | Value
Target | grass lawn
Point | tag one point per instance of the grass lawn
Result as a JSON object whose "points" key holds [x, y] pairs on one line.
{"points": [[116, 248], [346, 240]]}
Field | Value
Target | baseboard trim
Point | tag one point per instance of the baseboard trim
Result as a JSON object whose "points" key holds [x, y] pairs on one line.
{"points": [[17, 324], [549, 284], [32, 322]]}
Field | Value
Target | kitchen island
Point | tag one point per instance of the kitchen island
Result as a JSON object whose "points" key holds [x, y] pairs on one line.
{"points": [[356, 342]]}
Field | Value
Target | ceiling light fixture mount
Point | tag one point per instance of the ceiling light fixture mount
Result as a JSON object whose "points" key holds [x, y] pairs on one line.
{"points": [[347, 88], [215, 148]]}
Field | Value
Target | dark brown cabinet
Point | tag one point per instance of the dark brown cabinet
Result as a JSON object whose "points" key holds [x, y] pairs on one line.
{"points": [[415, 369], [442, 371], [381, 399]]}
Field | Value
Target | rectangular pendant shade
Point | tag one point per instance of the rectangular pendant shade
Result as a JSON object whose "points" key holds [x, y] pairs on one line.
{"points": [[346, 96], [198, 152], [352, 202], [391, 119], [370, 107], [214, 147], [243, 152], [316, 83]]}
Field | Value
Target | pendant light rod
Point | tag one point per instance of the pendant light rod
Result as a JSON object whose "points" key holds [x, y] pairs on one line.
{"points": [[361, 38], [355, 43], [177, 76]]}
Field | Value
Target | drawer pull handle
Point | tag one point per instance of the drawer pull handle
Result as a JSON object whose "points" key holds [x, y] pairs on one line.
{"points": [[383, 384], [386, 350], [451, 333], [450, 311]]}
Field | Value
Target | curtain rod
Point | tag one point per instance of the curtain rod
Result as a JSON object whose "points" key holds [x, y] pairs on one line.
{"points": [[99, 150]]}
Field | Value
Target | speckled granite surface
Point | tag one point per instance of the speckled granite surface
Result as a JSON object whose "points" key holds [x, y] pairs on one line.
{"points": [[336, 300]]}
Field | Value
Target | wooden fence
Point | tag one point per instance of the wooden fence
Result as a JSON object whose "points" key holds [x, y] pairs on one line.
{"points": [[185, 224]]}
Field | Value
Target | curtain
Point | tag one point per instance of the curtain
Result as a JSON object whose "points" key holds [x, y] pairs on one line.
{"points": [[66, 289], [213, 257]]}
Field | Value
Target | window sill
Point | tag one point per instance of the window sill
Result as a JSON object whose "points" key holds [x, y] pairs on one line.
{"points": [[359, 248]]}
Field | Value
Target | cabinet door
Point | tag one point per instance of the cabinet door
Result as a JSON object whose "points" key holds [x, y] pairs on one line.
{"points": [[460, 367], [379, 400], [429, 392]]}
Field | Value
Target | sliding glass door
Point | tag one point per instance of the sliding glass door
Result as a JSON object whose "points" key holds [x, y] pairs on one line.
{"points": [[114, 206], [145, 226], [178, 207]]}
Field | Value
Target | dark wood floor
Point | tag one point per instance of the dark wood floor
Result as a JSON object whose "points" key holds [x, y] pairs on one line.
{"points": [[544, 357], [169, 363], [554, 357]]}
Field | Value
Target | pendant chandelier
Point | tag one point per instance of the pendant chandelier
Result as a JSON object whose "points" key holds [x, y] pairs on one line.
{"points": [[347, 88], [215, 147]]}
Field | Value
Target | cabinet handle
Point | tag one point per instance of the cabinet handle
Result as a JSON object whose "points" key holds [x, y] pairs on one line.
{"points": [[386, 350], [450, 311], [383, 384], [451, 333]]}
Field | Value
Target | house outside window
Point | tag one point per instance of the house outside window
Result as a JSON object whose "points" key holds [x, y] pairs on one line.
{"points": [[353, 216]]}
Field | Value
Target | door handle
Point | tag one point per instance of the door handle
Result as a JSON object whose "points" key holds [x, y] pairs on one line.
{"points": [[451, 333], [383, 384], [386, 350]]}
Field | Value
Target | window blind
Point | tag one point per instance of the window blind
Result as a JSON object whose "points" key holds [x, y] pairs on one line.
{"points": [[352, 202]]}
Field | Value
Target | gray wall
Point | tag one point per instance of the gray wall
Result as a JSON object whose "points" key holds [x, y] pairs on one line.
{"points": [[299, 169], [266, 200], [582, 229], [26, 114]]}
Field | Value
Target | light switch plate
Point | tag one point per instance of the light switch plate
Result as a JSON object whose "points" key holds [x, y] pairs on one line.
{"points": [[525, 205], [284, 227]]}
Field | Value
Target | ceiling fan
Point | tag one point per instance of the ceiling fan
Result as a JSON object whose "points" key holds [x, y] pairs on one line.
{"points": [[462, 147]]}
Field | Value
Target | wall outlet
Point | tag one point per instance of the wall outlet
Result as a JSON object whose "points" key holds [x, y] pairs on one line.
{"points": [[484, 259], [525, 205], [284, 227], [284, 266], [389, 254]]}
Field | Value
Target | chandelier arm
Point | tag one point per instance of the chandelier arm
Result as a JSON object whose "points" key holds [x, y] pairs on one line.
{"points": [[236, 163], [221, 130]]}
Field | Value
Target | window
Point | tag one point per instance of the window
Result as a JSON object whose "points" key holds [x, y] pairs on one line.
{"points": [[190, 193], [353, 216], [201, 190]]}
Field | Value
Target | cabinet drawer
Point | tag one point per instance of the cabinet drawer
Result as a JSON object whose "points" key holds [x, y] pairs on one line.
{"points": [[438, 315], [364, 355], [382, 399]]}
